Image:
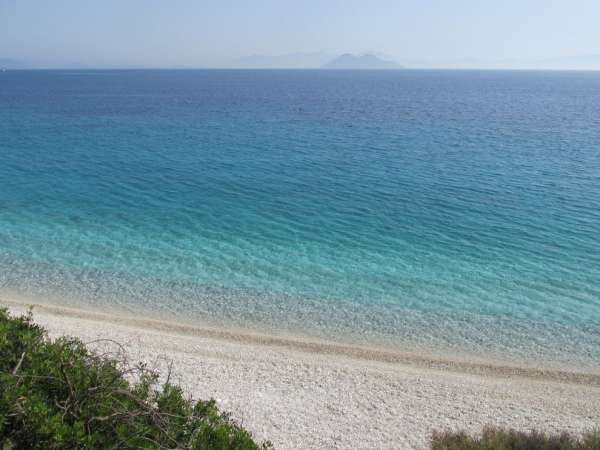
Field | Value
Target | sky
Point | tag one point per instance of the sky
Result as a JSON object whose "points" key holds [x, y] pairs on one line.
{"points": [[211, 33]]}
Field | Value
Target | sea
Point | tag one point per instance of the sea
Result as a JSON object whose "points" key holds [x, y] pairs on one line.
{"points": [[452, 213]]}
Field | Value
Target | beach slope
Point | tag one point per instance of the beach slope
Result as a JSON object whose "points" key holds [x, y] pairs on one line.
{"points": [[303, 396]]}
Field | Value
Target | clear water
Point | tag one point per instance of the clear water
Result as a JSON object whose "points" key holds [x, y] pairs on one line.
{"points": [[457, 211]]}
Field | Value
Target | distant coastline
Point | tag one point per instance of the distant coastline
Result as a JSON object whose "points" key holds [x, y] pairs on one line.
{"points": [[317, 60]]}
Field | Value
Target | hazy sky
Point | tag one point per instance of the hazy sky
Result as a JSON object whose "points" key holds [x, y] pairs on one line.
{"points": [[164, 33]]}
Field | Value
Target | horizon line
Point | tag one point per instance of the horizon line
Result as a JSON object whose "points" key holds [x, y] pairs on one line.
{"points": [[323, 69]]}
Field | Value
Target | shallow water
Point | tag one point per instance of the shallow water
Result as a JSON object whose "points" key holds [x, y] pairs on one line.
{"points": [[451, 210]]}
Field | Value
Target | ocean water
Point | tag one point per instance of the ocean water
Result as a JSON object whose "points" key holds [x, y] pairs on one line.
{"points": [[436, 211]]}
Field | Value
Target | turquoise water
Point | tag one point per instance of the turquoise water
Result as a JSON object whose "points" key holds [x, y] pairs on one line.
{"points": [[446, 210]]}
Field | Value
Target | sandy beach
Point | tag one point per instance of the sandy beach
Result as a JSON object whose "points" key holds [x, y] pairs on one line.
{"points": [[303, 395]]}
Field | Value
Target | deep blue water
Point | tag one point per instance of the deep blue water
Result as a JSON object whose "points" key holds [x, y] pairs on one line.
{"points": [[447, 210]]}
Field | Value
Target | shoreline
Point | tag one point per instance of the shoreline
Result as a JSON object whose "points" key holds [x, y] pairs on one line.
{"points": [[306, 395], [474, 366]]}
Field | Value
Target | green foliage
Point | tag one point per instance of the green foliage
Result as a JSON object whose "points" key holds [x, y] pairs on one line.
{"points": [[56, 394], [502, 439]]}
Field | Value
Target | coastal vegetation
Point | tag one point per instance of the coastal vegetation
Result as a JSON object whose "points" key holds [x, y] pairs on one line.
{"points": [[57, 394], [506, 439]]}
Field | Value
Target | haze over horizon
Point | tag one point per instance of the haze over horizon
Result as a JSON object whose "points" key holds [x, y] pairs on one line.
{"points": [[268, 33]]}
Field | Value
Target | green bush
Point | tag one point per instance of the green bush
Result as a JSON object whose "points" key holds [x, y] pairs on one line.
{"points": [[56, 394], [503, 439]]}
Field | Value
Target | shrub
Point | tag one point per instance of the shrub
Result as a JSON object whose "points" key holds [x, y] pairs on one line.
{"points": [[56, 394], [506, 439]]}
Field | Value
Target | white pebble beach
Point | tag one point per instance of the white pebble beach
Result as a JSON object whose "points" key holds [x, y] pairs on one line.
{"points": [[301, 395]]}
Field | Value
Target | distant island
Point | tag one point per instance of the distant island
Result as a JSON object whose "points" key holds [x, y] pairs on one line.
{"points": [[366, 61], [313, 61]]}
